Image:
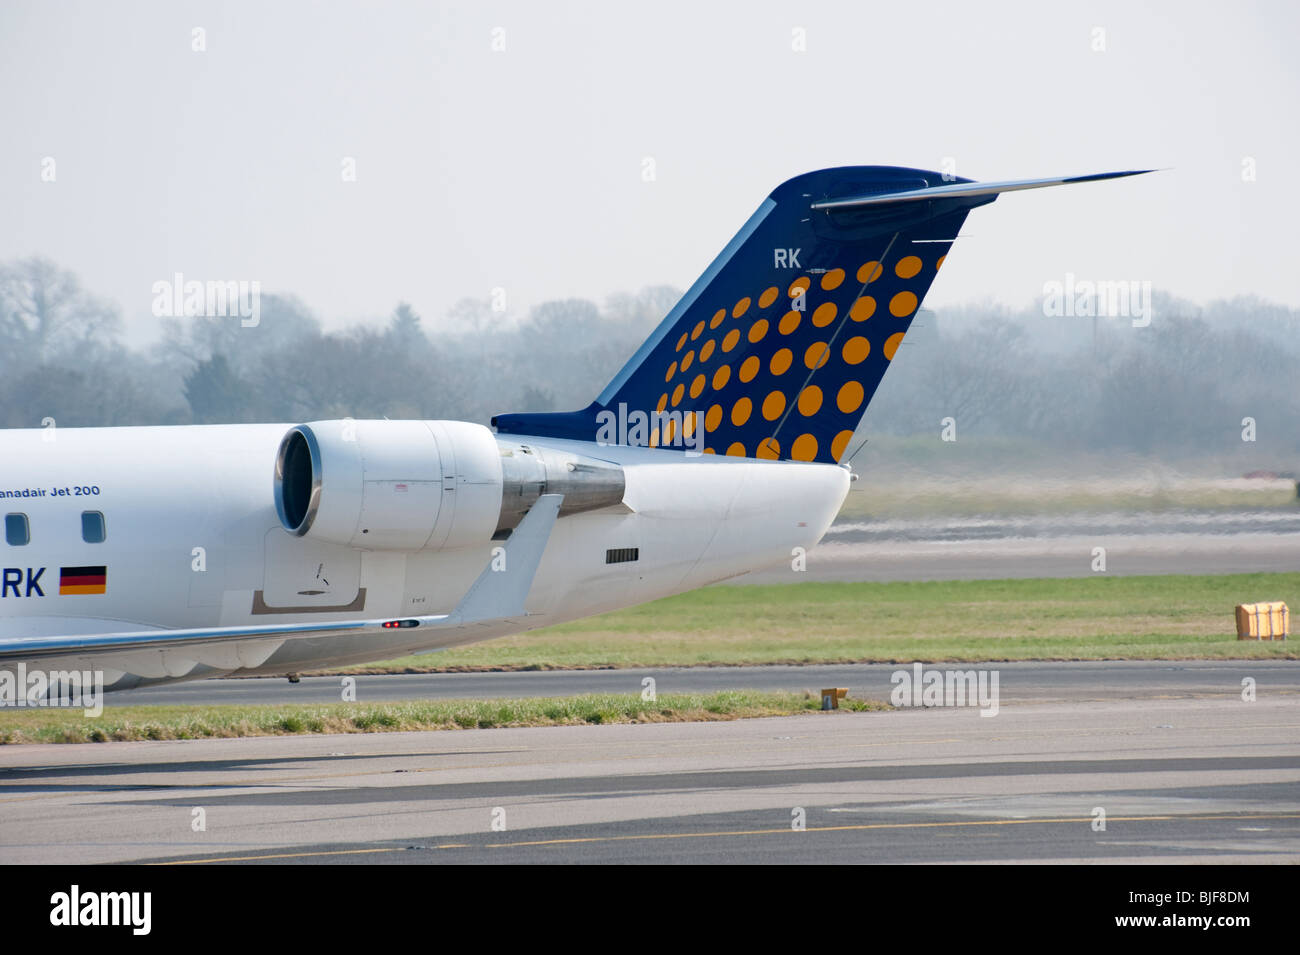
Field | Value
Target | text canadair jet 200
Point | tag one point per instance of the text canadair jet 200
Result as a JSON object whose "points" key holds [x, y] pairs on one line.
{"points": [[160, 554]]}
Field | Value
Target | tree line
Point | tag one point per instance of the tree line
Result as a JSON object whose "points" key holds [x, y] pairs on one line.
{"points": [[1182, 385]]}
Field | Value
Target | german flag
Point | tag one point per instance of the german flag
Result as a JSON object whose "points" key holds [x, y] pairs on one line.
{"points": [[83, 580]]}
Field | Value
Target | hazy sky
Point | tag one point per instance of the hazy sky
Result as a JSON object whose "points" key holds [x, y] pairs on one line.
{"points": [[523, 168]]}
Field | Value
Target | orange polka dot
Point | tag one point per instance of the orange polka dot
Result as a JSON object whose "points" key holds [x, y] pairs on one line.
{"points": [[729, 342], [663, 402], [749, 368], [669, 430], [938, 265], [891, 345], [682, 341], [773, 405], [904, 303], [816, 354], [907, 266], [709, 451], [799, 285], [781, 361], [677, 394], [713, 418], [840, 444], [741, 308], [717, 318], [687, 359], [768, 448], [863, 309], [672, 370], [869, 272], [804, 448], [810, 401], [689, 422], [698, 330], [697, 386], [654, 437], [707, 350], [768, 297], [790, 321], [721, 377], [832, 280], [856, 350], [849, 397], [741, 411], [824, 315], [758, 330], [737, 450]]}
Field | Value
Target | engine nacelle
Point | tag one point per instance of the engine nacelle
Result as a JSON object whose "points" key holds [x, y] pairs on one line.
{"points": [[417, 485]]}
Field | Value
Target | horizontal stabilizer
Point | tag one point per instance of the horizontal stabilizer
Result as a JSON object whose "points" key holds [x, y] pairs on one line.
{"points": [[965, 189]]}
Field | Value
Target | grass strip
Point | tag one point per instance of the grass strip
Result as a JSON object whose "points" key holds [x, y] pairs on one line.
{"points": [[1178, 617], [182, 722]]}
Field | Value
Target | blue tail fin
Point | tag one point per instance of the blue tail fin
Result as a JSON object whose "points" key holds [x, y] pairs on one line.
{"points": [[777, 349]]}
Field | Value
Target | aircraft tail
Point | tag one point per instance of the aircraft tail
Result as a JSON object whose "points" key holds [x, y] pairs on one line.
{"points": [[777, 349]]}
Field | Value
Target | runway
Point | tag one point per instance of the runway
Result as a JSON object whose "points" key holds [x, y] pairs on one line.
{"points": [[1019, 682], [1051, 545], [1178, 780]]}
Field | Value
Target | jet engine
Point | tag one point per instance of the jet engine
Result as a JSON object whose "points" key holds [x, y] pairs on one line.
{"points": [[424, 485]]}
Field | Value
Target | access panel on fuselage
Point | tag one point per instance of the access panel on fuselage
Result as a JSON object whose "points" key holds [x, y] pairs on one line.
{"points": [[305, 576]]}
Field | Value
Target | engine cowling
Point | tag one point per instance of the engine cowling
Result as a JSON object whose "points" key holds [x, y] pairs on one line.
{"points": [[418, 485]]}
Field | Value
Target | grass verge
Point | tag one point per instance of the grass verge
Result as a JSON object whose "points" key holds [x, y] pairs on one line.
{"points": [[1089, 618], [182, 722]]}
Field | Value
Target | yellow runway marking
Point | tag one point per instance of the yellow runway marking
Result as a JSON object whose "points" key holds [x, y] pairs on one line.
{"points": [[874, 825], [738, 832], [283, 855]]}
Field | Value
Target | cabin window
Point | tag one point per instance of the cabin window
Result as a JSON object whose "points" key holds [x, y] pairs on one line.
{"points": [[92, 527], [17, 532]]}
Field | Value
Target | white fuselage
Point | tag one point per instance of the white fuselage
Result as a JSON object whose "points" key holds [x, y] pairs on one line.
{"points": [[192, 539]]}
